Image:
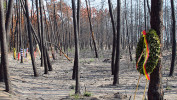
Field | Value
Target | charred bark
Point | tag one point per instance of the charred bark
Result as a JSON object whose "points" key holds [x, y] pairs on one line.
{"points": [[76, 31], [155, 91], [92, 33], [30, 40], [4, 50], [114, 38], [117, 61], [174, 40]]}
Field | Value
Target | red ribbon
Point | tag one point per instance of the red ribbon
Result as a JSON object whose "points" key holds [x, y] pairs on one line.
{"points": [[146, 58]]}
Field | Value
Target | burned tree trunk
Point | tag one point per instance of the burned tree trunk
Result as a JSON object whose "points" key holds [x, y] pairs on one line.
{"points": [[117, 61], [93, 38], [155, 91], [20, 32], [7, 26], [145, 15], [76, 59], [1, 72], [42, 38], [30, 40], [4, 50], [128, 35], [114, 38], [174, 40], [39, 32], [8, 19]]}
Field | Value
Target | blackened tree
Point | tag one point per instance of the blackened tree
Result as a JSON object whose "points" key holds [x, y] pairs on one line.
{"points": [[174, 40], [155, 91], [4, 49], [76, 30], [117, 61]]}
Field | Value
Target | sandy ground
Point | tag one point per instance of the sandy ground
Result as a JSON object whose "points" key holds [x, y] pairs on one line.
{"points": [[96, 78]]}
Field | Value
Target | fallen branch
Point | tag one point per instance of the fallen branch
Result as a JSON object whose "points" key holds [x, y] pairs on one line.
{"points": [[60, 50]]}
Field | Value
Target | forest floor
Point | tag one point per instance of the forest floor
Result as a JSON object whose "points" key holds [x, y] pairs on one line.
{"points": [[96, 78]]}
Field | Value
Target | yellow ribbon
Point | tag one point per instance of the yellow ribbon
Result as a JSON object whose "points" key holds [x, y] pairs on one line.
{"points": [[147, 55]]}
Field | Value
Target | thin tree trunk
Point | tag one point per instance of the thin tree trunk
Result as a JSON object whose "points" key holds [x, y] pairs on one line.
{"points": [[155, 91], [12, 27], [145, 15], [148, 6], [39, 33], [32, 11], [76, 60], [7, 24], [123, 35], [136, 24], [42, 38], [140, 28], [93, 38], [165, 21], [47, 54], [128, 35], [117, 61], [53, 38], [48, 60], [129, 48], [174, 40], [17, 32], [55, 27], [61, 37], [4, 50], [131, 28], [1, 72], [114, 38], [30, 40], [20, 32], [8, 19]]}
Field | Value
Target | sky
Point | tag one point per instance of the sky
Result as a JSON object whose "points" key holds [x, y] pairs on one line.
{"points": [[97, 3], [94, 3]]}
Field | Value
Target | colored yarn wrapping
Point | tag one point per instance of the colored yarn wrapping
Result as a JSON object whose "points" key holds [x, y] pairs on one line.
{"points": [[154, 52], [14, 53]]}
